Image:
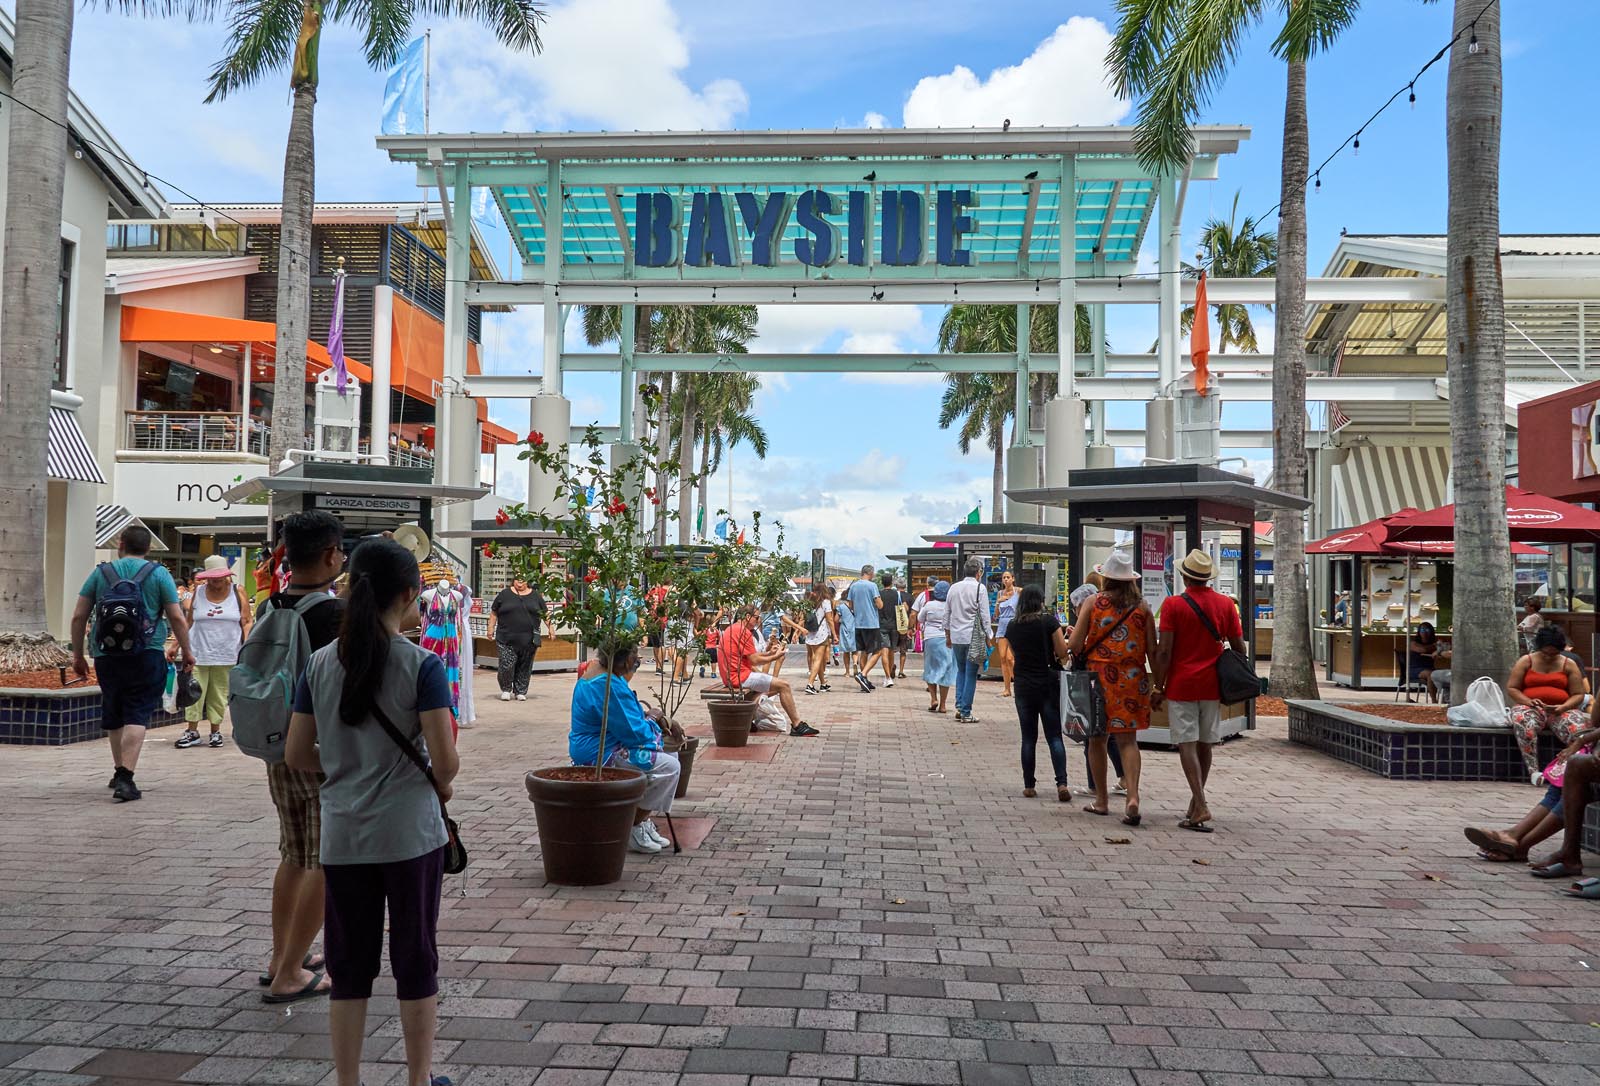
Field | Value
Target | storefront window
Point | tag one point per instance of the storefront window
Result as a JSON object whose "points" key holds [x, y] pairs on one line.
{"points": [[165, 385], [63, 312]]}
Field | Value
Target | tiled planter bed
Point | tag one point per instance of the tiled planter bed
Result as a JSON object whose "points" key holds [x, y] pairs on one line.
{"points": [[1411, 752], [53, 718]]}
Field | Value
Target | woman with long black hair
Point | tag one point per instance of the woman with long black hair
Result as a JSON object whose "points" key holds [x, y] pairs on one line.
{"points": [[383, 834], [1037, 649]]}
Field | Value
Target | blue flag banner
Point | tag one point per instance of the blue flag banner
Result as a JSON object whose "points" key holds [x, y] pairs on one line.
{"points": [[722, 530], [403, 104]]}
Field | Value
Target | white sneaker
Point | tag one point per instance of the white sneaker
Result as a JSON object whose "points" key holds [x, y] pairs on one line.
{"points": [[890, 683], [505, 695], [641, 841], [522, 697], [661, 839]]}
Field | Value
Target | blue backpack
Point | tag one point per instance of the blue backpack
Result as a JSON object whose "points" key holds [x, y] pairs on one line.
{"points": [[122, 622]]}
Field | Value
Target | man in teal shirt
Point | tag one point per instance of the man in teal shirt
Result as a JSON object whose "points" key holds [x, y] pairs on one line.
{"points": [[130, 683]]}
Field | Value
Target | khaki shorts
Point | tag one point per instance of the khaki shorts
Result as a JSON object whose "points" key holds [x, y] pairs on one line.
{"points": [[1194, 721], [298, 798]]}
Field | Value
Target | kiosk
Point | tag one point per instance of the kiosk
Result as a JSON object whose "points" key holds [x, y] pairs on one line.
{"points": [[489, 575], [1169, 510], [367, 498], [923, 564], [1031, 553]]}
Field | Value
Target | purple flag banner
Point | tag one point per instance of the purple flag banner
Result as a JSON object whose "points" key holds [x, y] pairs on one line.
{"points": [[341, 376]]}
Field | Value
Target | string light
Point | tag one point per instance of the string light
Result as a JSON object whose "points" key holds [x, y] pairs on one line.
{"points": [[1472, 46]]}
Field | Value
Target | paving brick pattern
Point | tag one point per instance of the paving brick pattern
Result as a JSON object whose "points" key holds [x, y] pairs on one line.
{"points": [[877, 905]]}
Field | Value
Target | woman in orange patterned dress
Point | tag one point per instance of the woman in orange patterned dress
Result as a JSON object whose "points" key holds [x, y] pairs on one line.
{"points": [[1113, 635]]}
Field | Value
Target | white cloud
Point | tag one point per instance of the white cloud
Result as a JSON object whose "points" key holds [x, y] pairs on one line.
{"points": [[1063, 82], [803, 329], [874, 120], [875, 469], [611, 64]]}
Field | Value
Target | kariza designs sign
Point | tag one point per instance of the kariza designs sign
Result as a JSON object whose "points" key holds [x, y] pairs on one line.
{"points": [[833, 226]]}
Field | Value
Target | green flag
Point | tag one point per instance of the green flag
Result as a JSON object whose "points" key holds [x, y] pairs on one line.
{"points": [[700, 522], [974, 517]]}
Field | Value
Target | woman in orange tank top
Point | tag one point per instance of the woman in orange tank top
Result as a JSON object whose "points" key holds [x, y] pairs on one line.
{"points": [[1546, 690]]}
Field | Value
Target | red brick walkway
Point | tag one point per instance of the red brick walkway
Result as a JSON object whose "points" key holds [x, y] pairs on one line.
{"points": [[877, 905]]}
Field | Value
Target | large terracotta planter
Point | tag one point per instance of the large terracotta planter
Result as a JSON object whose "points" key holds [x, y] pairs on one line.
{"points": [[730, 722], [685, 754], [584, 823]]}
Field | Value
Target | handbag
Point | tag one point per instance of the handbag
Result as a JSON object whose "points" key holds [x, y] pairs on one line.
{"points": [[455, 854], [1236, 678], [1083, 698]]}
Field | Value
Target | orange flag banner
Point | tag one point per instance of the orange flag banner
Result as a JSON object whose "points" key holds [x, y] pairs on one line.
{"points": [[1200, 338]]}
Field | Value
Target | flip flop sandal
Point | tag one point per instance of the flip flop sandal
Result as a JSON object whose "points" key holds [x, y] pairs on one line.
{"points": [[1555, 871], [1494, 857], [1197, 827], [1588, 889], [310, 991], [310, 961], [1489, 843], [1096, 811], [1132, 819]]}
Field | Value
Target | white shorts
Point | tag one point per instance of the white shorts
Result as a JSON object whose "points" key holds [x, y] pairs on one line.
{"points": [[758, 681], [1194, 721]]}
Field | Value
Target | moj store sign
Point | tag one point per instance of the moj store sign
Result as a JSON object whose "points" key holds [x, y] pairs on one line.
{"points": [[718, 222]]}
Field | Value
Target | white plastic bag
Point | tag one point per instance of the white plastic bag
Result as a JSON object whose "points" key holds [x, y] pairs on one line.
{"points": [[770, 716], [1485, 706], [169, 693]]}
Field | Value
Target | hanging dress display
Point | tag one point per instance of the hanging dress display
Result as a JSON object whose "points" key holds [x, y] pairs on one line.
{"points": [[442, 621]]}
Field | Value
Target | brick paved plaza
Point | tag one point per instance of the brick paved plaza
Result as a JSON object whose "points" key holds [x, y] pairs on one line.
{"points": [[877, 905]]}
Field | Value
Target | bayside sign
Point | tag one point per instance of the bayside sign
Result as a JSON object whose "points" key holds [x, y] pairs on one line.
{"points": [[718, 222]]}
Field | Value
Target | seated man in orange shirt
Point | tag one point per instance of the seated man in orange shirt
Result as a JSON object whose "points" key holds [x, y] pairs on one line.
{"points": [[738, 664]]}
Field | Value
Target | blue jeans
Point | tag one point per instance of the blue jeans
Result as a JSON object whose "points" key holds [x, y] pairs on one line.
{"points": [[966, 679]]}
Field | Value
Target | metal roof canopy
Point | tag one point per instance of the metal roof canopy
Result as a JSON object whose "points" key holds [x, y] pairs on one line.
{"points": [[1017, 175], [357, 480], [1005, 534], [1095, 494]]}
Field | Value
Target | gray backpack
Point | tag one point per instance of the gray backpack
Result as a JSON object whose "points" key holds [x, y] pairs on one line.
{"points": [[261, 685]]}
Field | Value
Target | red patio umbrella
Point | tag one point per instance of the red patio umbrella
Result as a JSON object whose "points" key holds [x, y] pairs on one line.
{"points": [[1532, 518], [1375, 539]]}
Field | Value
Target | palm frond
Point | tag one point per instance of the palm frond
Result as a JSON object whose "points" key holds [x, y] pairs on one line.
{"points": [[385, 26], [195, 11], [1143, 27], [1311, 27], [514, 22], [261, 39], [601, 324], [1199, 52]]}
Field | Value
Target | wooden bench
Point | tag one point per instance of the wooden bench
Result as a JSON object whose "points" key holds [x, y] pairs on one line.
{"points": [[719, 692]]}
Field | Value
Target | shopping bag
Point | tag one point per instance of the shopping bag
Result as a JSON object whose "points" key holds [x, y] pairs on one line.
{"points": [[169, 693], [1083, 705], [1485, 706]]}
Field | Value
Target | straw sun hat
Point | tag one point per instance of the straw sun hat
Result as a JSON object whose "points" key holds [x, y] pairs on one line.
{"points": [[1197, 565], [215, 567]]}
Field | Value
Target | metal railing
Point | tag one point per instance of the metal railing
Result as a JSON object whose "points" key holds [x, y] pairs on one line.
{"points": [[196, 431], [406, 458]]}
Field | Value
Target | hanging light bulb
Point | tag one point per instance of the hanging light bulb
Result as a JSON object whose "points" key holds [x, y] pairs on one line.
{"points": [[1357, 147], [1318, 177], [1413, 95], [1472, 43]]}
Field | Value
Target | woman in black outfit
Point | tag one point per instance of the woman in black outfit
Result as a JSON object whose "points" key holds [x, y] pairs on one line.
{"points": [[514, 619], [1037, 648]]}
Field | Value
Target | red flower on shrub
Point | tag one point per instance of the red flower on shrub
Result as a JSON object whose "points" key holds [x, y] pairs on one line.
{"points": [[535, 438], [617, 507], [500, 516], [488, 550], [591, 577]]}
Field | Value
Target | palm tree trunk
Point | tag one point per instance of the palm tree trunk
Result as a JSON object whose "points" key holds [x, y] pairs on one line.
{"points": [[294, 281], [686, 461], [1475, 353], [35, 178], [997, 511], [705, 477], [663, 441], [1292, 669]]}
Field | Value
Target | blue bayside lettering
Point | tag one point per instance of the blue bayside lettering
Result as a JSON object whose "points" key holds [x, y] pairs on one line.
{"points": [[903, 227], [711, 232], [859, 225], [952, 224], [765, 223], [655, 230], [822, 247]]}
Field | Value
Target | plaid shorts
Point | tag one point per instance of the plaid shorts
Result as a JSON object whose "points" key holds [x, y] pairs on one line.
{"points": [[298, 798]]}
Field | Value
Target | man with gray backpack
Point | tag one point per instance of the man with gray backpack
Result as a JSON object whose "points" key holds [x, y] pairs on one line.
{"points": [[289, 627], [131, 602]]}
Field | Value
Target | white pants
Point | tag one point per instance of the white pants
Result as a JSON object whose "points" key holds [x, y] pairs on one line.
{"points": [[663, 774]]}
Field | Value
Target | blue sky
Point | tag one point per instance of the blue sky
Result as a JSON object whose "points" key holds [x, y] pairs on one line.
{"points": [[858, 465]]}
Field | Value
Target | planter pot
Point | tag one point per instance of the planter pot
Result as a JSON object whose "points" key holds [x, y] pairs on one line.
{"points": [[685, 755], [584, 823], [730, 722]]}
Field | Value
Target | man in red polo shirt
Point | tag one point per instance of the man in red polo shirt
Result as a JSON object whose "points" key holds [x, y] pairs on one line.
{"points": [[1186, 673], [738, 663]]}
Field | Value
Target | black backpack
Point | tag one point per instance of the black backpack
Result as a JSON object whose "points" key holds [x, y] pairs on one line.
{"points": [[122, 622], [1236, 679], [813, 624]]}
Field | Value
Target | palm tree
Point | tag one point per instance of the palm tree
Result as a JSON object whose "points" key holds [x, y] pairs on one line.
{"points": [[1235, 250], [674, 329], [726, 419], [36, 171], [1174, 53], [1475, 356], [984, 401], [269, 35]]}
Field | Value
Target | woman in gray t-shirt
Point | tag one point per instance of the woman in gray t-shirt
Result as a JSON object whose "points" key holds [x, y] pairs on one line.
{"points": [[383, 835]]}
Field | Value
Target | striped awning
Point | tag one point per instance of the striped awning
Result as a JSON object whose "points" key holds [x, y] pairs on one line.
{"points": [[69, 458], [109, 520], [1377, 480]]}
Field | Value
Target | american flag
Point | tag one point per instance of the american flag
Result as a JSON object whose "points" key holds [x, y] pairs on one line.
{"points": [[1337, 419]]}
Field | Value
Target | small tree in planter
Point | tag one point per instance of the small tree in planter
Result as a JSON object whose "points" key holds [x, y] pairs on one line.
{"points": [[586, 812]]}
